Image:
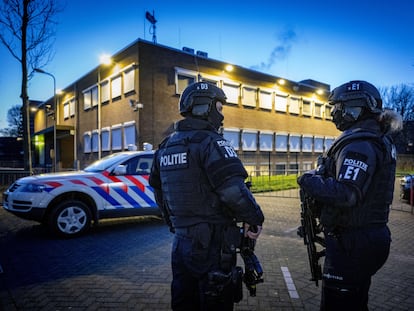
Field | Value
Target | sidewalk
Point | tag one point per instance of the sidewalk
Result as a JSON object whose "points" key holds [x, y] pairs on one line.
{"points": [[126, 265]]}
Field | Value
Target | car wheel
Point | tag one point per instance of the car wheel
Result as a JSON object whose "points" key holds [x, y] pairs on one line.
{"points": [[70, 218]]}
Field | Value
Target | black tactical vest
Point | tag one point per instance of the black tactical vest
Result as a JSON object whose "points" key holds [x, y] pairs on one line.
{"points": [[374, 207]]}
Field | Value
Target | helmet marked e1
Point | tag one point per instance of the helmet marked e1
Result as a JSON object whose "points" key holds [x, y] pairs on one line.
{"points": [[352, 100]]}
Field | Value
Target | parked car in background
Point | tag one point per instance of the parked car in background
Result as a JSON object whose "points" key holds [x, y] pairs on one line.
{"points": [[69, 202], [407, 185]]}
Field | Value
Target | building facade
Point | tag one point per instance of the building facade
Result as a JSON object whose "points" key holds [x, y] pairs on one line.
{"points": [[277, 126]]}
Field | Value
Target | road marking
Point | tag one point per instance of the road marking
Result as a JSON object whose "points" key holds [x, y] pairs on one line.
{"points": [[289, 283]]}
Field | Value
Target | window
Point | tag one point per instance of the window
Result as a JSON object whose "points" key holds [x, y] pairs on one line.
{"points": [[306, 108], [116, 84], [318, 110], [72, 107], [66, 110], [328, 110], [294, 143], [94, 96], [129, 80], [293, 168], [306, 143], [281, 103], [281, 142], [95, 140], [105, 92], [307, 166], [87, 142], [294, 105], [87, 100], [280, 168], [328, 142], [183, 81], [266, 141], [129, 134], [232, 135], [232, 93], [318, 144], [249, 97], [249, 140], [105, 136], [265, 100], [116, 135]]}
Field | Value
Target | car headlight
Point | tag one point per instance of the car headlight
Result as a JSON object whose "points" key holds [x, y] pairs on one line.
{"points": [[33, 188]]}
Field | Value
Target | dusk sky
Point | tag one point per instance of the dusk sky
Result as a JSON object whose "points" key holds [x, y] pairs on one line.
{"points": [[328, 41]]}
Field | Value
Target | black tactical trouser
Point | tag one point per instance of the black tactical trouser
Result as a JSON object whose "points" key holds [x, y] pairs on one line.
{"points": [[352, 258]]}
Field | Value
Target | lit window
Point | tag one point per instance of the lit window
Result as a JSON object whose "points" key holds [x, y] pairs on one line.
{"points": [[116, 87], [105, 136], [66, 110], [306, 108], [129, 81], [249, 97], [105, 92], [307, 143], [129, 134], [318, 144], [87, 100], [294, 143], [95, 140], [294, 105], [265, 100], [116, 135], [266, 141], [94, 96], [183, 81], [281, 103], [249, 140], [232, 92], [281, 142], [232, 136], [87, 142]]}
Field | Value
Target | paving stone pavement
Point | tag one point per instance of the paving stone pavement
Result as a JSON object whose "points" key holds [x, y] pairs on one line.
{"points": [[125, 265]]}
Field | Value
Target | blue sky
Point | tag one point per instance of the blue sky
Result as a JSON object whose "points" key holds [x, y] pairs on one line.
{"points": [[328, 41]]}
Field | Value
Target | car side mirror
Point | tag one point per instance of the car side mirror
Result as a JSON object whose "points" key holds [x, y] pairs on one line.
{"points": [[120, 170]]}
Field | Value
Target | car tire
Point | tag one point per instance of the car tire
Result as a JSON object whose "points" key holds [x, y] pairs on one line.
{"points": [[70, 219]]}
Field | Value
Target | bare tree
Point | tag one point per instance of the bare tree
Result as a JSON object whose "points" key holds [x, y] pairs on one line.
{"points": [[400, 98], [27, 32], [15, 122]]}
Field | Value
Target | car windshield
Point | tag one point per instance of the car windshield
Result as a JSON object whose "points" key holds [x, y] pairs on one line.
{"points": [[106, 162]]}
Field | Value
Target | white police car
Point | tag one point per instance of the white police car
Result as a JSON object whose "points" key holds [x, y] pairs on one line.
{"points": [[115, 186]]}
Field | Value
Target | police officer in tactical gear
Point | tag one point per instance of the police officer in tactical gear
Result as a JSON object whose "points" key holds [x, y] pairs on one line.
{"points": [[354, 187], [199, 186]]}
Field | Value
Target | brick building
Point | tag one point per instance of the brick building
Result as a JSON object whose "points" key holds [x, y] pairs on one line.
{"points": [[275, 124]]}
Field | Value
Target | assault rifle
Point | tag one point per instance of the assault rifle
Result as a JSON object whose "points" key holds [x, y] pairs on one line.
{"points": [[309, 230], [253, 272]]}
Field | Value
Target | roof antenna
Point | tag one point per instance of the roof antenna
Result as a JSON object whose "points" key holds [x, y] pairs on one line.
{"points": [[151, 18]]}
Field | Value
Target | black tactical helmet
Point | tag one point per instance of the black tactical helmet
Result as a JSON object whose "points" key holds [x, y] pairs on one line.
{"points": [[357, 94], [352, 100], [198, 98]]}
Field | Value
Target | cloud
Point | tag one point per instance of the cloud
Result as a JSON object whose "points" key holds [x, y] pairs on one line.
{"points": [[285, 40]]}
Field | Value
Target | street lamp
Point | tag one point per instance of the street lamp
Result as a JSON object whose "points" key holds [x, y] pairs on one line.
{"points": [[104, 59], [55, 114]]}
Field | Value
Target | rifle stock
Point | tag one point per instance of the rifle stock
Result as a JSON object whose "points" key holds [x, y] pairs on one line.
{"points": [[309, 230]]}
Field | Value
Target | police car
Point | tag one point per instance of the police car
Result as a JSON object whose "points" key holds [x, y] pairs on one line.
{"points": [[68, 203]]}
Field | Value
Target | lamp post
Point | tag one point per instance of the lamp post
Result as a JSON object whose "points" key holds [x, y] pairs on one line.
{"points": [[55, 113], [104, 59]]}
